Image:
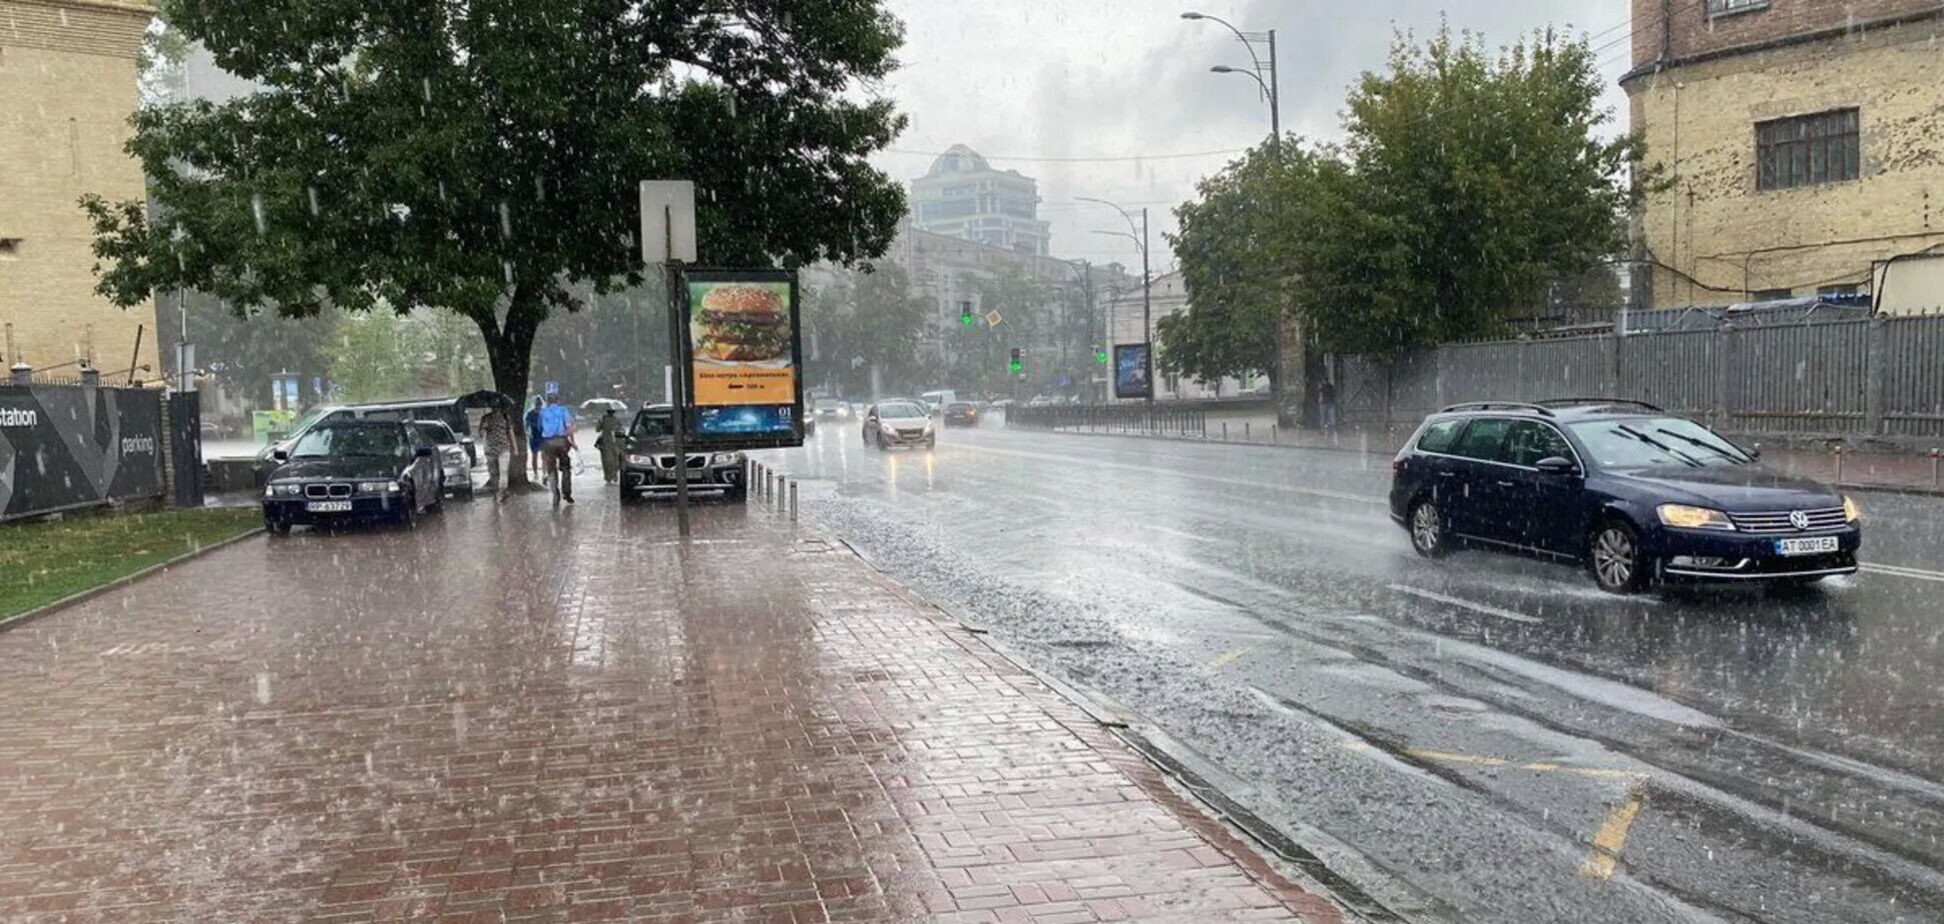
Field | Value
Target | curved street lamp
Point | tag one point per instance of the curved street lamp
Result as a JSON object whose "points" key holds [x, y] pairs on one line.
{"points": [[1268, 86]]}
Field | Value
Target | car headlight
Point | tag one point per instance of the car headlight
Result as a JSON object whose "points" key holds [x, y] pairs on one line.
{"points": [[377, 487], [1685, 517], [282, 490], [648, 461], [725, 458], [1851, 510]]}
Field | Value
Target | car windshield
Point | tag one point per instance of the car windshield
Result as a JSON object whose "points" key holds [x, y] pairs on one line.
{"points": [[435, 432], [959, 406], [829, 404], [900, 410], [352, 440], [653, 424], [1643, 442]]}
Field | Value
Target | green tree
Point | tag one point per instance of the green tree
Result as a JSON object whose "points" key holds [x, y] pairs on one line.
{"points": [[1470, 183], [863, 318], [482, 157], [370, 358]]}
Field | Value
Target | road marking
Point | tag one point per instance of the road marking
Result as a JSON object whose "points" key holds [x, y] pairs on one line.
{"points": [[1228, 658], [1899, 571], [1467, 604], [1612, 836], [1479, 760]]}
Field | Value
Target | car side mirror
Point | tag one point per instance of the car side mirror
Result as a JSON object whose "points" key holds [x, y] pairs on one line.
{"points": [[423, 452], [1556, 465], [280, 455]]}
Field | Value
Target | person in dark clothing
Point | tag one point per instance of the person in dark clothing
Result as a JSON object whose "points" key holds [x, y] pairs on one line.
{"points": [[533, 435]]}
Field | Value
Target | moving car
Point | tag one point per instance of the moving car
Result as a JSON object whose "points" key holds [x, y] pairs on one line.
{"points": [[1635, 493], [455, 464], [352, 470], [648, 461], [961, 414], [832, 409], [899, 422], [936, 400]]}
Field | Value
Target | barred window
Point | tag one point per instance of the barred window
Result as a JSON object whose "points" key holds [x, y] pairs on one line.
{"points": [[1721, 7], [1807, 150]]}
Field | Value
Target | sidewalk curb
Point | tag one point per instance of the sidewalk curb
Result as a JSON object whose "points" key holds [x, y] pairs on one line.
{"points": [[1141, 736], [1908, 490], [47, 609]]}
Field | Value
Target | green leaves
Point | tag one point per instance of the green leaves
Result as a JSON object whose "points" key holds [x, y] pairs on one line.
{"points": [[1468, 187], [482, 156]]}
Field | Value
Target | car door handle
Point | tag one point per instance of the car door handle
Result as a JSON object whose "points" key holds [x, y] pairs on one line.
{"points": [[1447, 474], [1506, 484]]}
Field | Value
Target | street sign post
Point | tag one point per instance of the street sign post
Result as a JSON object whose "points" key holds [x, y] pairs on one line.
{"points": [[668, 240], [553, 388]]}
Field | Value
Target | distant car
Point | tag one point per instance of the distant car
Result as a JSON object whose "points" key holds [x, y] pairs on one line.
{"points": [[353, 470], [212, 430], [648, 461], [832, 409], [1636, 494], [900, 422], [961, 414], [455, 463]]}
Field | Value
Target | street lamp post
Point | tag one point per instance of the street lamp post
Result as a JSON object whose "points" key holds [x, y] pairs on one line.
{"points": [[1269, 87], [1147, 286]]}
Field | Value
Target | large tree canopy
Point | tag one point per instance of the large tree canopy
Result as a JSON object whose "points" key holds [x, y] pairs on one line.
{"points": [[482, 156], [1468, 186]]}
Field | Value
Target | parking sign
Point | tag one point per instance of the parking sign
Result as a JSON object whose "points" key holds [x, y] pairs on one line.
{"points": [[553, 387]]}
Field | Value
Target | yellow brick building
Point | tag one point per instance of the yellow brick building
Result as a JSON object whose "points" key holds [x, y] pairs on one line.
{"points": [[1804, 142], [67, 88]]}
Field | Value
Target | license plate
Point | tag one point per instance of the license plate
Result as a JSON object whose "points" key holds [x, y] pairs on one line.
{"points": [[1814, 546], [328, 506]]}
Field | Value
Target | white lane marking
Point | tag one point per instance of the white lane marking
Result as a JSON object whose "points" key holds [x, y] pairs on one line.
{"points": [[1152, 470], [1467, 604], [1918, 574]]}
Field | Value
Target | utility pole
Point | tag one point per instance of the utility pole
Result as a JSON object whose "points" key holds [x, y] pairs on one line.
{"points": [[1147, 310]]}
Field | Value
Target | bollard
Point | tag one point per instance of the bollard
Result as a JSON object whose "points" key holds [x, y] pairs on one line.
{"points": [[1934, 482], [1275, 436], [793, 500], [1839, 463], [1224, 431], [1246, 438]]}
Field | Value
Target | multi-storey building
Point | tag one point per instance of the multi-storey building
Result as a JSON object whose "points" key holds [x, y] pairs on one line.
{"points": [[1802, 149], [962, 196]]}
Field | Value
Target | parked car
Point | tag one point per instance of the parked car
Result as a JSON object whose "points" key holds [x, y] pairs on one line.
{"points": [[352, 470], [444, 410], [455, 464], [899, 422], [1636, 494], [648, 461], [961, 414], [215, 430]]}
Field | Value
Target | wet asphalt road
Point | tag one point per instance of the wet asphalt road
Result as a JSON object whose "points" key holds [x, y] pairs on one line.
{"points": [[1480, 738]]}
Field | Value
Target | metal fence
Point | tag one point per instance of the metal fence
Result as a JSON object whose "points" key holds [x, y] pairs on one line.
{"points": [[1880, 378], [1159, 420]]}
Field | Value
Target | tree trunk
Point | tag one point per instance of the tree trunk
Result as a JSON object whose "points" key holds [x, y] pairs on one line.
{"points": [[510, 351]]}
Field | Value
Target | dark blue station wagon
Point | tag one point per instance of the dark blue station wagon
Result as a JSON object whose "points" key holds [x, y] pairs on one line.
{"points": [[1636, 494]]}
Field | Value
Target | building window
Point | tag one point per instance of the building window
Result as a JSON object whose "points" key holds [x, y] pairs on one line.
{"points": [[1807, 150], [1725, 7]]}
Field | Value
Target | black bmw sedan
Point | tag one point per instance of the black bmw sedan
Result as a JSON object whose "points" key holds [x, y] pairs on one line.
{"points": [[353, 470], [1636, 494]]}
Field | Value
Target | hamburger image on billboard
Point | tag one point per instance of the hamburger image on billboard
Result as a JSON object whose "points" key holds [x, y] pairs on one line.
{"points": [[742, 336]]}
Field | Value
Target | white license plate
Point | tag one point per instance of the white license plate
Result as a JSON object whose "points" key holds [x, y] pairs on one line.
{"points": [[328, 506], [1814, 546]]}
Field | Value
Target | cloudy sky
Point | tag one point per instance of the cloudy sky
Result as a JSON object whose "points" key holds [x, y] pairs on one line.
{"points": [[1060, 81]]}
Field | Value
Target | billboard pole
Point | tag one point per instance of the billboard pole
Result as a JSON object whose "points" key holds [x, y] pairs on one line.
{"points": [[677, 313]]}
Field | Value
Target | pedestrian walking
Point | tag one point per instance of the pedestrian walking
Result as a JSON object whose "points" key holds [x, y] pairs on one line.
{"points": [[556, 444], [533, 434], [496, 429], [609, 443]]}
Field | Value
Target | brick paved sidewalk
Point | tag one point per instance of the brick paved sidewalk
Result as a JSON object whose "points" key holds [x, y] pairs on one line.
{"points": [[512, 713]]}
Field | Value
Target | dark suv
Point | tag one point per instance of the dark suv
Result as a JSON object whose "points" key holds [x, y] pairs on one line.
{"points": [[1635, 493]]}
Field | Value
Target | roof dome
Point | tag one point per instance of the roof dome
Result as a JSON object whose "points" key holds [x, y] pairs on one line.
{"points": [[958, 159]]}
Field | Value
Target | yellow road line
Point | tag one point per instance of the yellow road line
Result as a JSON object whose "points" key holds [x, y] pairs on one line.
{"points": [[1227, 658], [1612, 836], [1479, 760]]}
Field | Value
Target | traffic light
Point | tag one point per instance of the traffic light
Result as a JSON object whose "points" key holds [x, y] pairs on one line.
{"points": [[1016, 366], [1100, 355], [965, 313]]}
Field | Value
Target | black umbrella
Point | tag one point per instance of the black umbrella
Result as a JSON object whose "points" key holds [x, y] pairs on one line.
{"points": [[484, 398]]}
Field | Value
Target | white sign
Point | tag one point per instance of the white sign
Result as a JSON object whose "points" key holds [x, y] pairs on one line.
{"points": [[667, 221]]}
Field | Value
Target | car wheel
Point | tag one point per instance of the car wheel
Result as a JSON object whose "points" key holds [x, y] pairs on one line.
{"points": [[1615, 558], [1429, 537], [276, 527]]}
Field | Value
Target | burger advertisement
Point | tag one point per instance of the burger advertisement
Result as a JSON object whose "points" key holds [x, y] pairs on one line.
{"points": [[743, 359]]}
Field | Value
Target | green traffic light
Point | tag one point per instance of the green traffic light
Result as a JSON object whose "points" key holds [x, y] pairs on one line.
{"points": [[1015, 367], [1101, 355], [965, 319]]}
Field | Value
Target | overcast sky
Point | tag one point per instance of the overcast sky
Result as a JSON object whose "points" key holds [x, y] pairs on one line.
{"points": [[1129, 78]]}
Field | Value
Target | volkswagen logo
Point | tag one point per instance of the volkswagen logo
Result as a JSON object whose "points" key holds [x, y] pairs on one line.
{"points": [[1798, 519]]}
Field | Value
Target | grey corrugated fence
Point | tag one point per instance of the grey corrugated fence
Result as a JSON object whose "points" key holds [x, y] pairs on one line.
{"points": [[1877, 378]]}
